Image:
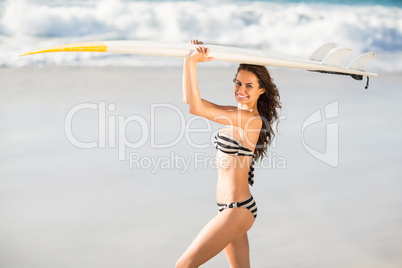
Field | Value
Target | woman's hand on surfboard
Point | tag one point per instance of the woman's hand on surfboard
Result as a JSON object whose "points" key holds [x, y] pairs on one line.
{"points": [[200, 54]]}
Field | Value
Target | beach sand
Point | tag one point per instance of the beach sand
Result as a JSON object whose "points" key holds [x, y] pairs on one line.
{"points": [[66, 206]]}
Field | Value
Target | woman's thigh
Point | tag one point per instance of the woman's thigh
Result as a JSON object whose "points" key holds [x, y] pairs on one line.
{"points": [[216, 235], [237, 252]]}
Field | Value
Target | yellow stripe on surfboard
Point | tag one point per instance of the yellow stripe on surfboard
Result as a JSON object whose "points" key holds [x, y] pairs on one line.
{"points": [[77, 47]]}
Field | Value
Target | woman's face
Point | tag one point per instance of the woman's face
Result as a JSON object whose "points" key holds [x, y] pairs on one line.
{"points": [[247, 89]]}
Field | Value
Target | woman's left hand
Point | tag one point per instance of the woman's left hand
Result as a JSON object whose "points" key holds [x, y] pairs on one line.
{"points": [[200, 54]]}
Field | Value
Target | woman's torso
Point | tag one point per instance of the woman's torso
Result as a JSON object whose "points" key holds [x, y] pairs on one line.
{"points": [[233, 170]]}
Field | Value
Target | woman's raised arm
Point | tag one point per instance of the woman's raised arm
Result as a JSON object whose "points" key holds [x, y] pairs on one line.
{"points": [[186, 79]]}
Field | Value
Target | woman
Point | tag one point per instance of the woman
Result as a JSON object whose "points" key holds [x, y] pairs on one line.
{"points": [[245, 137]]}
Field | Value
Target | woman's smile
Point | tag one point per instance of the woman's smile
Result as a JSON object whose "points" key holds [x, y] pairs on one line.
{"points": [[242, 96]]}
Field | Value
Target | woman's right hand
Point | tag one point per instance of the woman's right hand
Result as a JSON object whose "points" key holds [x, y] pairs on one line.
{"points": [[196, 42], [200, 54]]}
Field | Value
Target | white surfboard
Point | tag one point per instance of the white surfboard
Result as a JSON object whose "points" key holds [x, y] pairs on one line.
{"points": [[325, 59]]}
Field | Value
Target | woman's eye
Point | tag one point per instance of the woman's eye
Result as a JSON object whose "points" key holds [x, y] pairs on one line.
{"points": [[249, 86], [238, 83]]}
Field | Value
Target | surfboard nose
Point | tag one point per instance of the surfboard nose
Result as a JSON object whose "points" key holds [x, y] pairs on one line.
{"points": [[77, 47]]}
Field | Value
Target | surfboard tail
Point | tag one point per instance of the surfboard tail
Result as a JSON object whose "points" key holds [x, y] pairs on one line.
{"points": [[354, 76]]}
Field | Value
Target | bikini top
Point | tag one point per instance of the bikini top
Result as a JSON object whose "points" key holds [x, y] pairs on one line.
{"points": [[229, 145]]}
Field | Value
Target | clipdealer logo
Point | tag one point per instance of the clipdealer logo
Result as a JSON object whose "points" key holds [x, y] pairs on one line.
{"points": [[112, 128], [331, 154], [112, 134]]}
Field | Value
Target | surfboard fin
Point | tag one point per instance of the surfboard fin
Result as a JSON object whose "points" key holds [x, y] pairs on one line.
{"points": [[320, 53], [335, 57], [325, 56], [361, 61]]}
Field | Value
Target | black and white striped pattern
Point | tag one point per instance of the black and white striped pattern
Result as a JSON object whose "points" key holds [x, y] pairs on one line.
{"points": [[229, 145], [249, 203]]}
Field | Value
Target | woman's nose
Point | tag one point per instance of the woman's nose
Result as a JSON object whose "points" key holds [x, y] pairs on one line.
{"points": [[242, 89]]}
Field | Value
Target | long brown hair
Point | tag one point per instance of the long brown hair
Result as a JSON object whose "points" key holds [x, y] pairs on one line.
{"points": [[267, 106]]}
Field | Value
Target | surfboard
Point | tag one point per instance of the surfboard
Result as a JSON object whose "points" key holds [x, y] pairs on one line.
{"points": [[327, 58]]}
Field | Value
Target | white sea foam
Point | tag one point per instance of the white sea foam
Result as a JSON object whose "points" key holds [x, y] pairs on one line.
{"points": [[295, 29]]}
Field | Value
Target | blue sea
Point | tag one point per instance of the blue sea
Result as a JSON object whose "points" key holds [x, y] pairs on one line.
{"points": [[289, 27]]}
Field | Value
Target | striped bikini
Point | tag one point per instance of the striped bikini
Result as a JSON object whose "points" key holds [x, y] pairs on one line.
{"points": [[229, 145], [249, 203]]}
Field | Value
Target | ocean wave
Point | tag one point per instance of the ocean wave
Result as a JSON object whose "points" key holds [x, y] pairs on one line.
{"points": [[294, 29]]}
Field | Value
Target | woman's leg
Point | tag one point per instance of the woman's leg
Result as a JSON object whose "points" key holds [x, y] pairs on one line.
{"points": [[216, 235], [237, 252]]}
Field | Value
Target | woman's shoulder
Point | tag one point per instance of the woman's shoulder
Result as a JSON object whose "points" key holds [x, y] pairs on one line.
{"points": [[254, 121]]}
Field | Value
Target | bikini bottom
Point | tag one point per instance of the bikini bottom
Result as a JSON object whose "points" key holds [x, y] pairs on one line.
{"points": [[249, 203]]}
